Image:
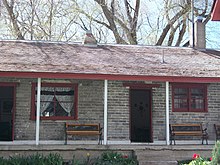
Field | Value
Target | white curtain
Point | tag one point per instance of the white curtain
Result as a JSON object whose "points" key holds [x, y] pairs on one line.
{"points": [[66, 101], [46, 99]]}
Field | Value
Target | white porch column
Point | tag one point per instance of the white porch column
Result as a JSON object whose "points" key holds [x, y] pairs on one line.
{"points": [[167, 114], [38, 110], [105, 112]]}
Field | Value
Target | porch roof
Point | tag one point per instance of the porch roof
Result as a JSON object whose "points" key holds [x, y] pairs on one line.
{"points": [[121, 62]]}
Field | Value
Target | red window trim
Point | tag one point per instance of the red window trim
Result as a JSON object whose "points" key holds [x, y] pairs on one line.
{"points": [[189, 86], [75, 86]]}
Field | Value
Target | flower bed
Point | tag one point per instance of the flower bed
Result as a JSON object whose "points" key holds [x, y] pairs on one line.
{"points": [[107, 158], [198, 160]]}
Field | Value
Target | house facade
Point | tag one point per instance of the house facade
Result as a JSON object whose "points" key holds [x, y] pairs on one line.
{"points": [[134, 92]]}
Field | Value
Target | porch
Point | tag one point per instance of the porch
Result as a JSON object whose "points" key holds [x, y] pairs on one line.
{"points": [[146, 153]]}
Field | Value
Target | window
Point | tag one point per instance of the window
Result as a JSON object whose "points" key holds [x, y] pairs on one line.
{"points": [[189, 97], [57, 101]]}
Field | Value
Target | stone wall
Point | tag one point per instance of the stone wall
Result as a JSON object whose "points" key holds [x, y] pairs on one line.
{"points": [[118, 111], [91, 110]]}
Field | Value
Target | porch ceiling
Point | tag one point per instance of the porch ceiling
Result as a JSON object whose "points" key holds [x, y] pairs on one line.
{"points": [[119, 62], [216, 11]]}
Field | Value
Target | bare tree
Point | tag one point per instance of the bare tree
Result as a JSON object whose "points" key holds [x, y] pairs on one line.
{"points": [[13, 17], [178, 17], [123, 22], [40, 19], [128, 24]]}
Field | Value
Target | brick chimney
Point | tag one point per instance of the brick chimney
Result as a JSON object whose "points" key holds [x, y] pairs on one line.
{"points": [[89, 39], [199, 34]]}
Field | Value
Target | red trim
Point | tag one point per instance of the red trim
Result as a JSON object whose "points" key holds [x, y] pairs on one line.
{"points": [[141, 85], [109, 77], [75, 86], [215, 15], [189, 87], [14, 85]]}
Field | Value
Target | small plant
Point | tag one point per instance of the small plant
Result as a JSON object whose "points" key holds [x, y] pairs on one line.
{"points": [[36, 159], [3, 161], [197, 160], [114, 158], [75, 161], [216, 154], [18, 160], [54, 159]]}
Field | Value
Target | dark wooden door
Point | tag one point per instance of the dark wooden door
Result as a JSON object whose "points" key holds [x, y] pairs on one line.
{"points": [[6, 112], [140, 105]]}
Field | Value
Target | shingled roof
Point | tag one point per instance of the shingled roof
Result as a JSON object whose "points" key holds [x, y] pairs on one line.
{"points": [[35, 59]]}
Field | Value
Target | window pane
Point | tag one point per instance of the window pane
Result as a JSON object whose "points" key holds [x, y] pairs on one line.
{"points": [[197, 104], [65, 99], [197, 93], [180, 103], [197, 98], [180, 98], [180, 92]]}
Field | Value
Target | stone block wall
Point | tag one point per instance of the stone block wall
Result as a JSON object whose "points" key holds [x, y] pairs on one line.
{"points": [[118, 111], [91, 110]]}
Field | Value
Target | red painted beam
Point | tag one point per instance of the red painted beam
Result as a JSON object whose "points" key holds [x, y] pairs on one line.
{"points": [[216, 11], [109, 77]]}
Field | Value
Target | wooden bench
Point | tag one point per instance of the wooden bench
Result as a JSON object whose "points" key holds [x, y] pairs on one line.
{"points": [[217, 131], [187, 130], [83, 130]]}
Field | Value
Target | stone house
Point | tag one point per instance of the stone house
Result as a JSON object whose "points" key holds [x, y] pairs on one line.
{"points": [[133, 91]]}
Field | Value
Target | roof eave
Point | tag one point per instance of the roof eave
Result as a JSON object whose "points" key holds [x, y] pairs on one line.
{"points": [[110, 77]]}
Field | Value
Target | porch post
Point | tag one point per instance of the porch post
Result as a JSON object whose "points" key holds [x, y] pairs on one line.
{"points": [[38, 111], [105, 111], [167, 114]]}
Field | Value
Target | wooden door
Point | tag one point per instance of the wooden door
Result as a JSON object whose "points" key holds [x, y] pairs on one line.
{"points": [[6, 112], [140, 106]]}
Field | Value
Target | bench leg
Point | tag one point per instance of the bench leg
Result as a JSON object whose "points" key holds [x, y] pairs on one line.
{"points": [[172, 138], [65, 139], [206, 139], [100, 139]]}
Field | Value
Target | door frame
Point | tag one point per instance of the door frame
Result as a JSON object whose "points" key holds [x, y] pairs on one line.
{"points": [[140, 87], [14, 85]]}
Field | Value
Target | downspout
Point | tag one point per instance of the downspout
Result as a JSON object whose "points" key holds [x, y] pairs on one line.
{"points": [[167, 114], [38, 111], [105, 111]]}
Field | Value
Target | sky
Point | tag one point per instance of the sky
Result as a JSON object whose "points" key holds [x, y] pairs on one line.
{"points": [[213, 35]]}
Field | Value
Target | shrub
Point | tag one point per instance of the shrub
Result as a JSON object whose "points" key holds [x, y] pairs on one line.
{"points": [[36, 159], [3, 161], [216, 154], [18, 160]]}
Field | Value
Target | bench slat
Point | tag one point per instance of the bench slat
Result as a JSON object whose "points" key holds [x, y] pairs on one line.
{"points": [[83, 130]]}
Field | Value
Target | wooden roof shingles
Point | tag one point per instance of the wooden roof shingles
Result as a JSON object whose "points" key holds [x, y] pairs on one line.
{"points": [[38, 58]]}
